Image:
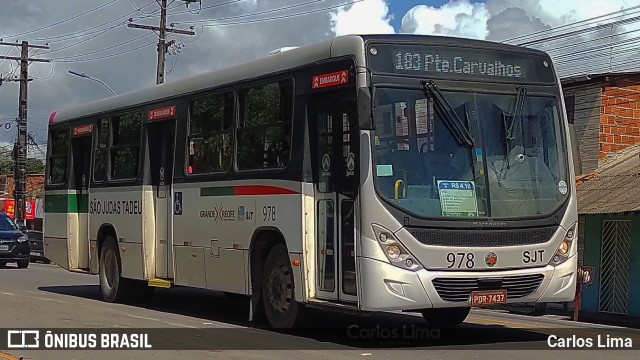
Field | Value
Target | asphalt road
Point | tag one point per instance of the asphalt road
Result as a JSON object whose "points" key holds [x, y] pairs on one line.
{"points": [[45, 296]]}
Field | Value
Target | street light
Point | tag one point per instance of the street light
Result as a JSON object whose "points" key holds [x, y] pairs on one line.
{"points": [[94, 79]]}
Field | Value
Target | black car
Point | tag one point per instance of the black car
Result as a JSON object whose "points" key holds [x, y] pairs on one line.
{"points": [[37, 249], [14, 244]]}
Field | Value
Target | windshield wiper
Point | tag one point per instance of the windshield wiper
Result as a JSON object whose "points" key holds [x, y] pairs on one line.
{"points": [[517, 113], [516, 118], [451, 119]]}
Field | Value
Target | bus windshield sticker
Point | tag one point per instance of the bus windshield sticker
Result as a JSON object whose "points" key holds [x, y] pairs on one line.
{"points": [[351, 164], [326, 165], [458, 198], [384, 170], [562, 187], [333, 79]]}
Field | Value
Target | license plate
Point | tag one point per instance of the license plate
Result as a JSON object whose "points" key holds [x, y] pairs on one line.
{"points": [[488, 297], [33, 253], [4, 247]]}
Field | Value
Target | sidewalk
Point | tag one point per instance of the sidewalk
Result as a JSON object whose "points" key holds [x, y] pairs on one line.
{"points": [[587, 317]]}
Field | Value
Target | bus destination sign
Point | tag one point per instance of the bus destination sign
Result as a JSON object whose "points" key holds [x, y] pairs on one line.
{"points": [[452, 62]]}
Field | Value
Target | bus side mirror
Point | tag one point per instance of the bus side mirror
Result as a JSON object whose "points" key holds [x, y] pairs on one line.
{"points": [[365, 113]]}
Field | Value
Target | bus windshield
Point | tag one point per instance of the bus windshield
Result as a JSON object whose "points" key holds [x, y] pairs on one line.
{"points": [[515, 166]]}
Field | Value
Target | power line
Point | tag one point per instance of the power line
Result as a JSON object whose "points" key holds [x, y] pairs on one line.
{"points": [[252, 21], [253, 14], [63, 21], [573, 24], [101, 50]]}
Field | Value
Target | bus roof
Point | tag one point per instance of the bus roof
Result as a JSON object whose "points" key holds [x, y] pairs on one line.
{"points": [[339, 46]]}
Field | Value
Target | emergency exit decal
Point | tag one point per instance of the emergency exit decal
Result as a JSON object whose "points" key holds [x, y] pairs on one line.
{"points": [[333, 79]]}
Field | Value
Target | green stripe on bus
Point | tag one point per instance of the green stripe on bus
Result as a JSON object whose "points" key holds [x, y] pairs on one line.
{"points": [[66, 203], [246, 190], [217, 191]]}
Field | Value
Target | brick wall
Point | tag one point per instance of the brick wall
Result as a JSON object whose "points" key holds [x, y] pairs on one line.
{"points": [[619, 116], [35, 186]]}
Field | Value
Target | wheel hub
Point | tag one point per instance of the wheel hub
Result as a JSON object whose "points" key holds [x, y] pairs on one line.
{"points": [[280, 288]]}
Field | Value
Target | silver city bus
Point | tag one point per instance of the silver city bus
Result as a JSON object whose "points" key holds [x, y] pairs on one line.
{"points": [[416, 173]]}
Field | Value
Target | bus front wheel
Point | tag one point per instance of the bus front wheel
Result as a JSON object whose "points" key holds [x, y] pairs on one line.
{"points": [[112, 285], [282, 311], [446, 317]]}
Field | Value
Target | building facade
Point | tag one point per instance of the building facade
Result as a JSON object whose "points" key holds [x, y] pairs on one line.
{"points": [[604, 111]]}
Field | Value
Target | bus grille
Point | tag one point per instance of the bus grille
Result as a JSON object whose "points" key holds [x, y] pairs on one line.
{"points": [[483, 238], [459, 289]]}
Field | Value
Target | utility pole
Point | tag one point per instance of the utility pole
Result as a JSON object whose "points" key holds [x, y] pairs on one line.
{"points": [[163, 45], [20, 193]]}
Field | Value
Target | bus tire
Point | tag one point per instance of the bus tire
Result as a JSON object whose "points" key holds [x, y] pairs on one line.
{"points": [[281, 309], [113, 286], [23, 263], [446, 317]]}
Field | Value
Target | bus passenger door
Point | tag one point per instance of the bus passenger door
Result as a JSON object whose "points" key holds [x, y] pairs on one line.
{"points": [[334, 134], [81, 166], [161, 138]]}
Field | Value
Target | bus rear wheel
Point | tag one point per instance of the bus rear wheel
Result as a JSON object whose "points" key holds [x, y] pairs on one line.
{"points": [[446, 317], [281, 309], [113, 286]]}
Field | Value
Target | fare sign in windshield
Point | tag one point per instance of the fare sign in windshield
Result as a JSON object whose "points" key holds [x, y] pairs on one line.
{"points": [[455, 62]]}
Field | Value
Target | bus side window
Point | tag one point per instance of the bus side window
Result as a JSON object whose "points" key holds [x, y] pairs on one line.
{"points": [[264, 133], [210, 131], [59, 156], [125, 145], [101, 152]]}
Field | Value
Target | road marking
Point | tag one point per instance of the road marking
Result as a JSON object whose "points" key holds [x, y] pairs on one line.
{"points": [[6, 356], [507, 323], [165, 322], [6, 293]]}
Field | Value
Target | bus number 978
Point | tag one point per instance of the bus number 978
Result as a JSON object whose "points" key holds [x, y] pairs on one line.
{"points": [[460, 260], [269, 213]]}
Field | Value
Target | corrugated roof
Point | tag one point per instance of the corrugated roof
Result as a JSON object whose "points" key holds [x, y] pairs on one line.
{"points": [[614, 187]]}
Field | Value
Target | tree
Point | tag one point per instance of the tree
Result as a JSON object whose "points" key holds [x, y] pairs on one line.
{"points": [[35, 166]]}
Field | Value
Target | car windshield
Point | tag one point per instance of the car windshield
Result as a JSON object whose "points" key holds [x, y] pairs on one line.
{"points": [[7, 224], [514, 167]]}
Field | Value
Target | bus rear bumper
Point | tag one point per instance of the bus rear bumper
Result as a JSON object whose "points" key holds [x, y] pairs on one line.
{"points": [[387, 287]]}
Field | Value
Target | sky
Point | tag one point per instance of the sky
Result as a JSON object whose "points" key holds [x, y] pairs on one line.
{"points": [[91, 36]]}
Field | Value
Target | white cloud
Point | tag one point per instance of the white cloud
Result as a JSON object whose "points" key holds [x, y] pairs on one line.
{"points": [[455, 18], [366, 17], [501, 19]]}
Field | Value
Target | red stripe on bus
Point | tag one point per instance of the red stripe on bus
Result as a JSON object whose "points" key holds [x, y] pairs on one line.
{"points": [[262, 190], [52, 116]]}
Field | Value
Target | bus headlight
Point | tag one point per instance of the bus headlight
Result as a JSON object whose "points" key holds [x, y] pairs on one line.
{"points": [[564, 249], [397, 254], [393, 252]]}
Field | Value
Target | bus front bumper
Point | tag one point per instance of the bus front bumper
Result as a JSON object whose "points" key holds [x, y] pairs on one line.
{"points": [[385, 287]]}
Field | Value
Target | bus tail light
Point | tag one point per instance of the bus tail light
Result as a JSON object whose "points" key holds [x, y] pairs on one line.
{"points": [[563, 251], [397, 254]]}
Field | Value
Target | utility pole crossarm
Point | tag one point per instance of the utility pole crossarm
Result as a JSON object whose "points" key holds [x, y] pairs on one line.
{"points": [[29, 46], [20, 59], [156, 28]]}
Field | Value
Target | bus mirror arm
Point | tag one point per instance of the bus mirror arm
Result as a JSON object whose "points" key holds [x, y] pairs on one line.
{"points": [[365, 112]]}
